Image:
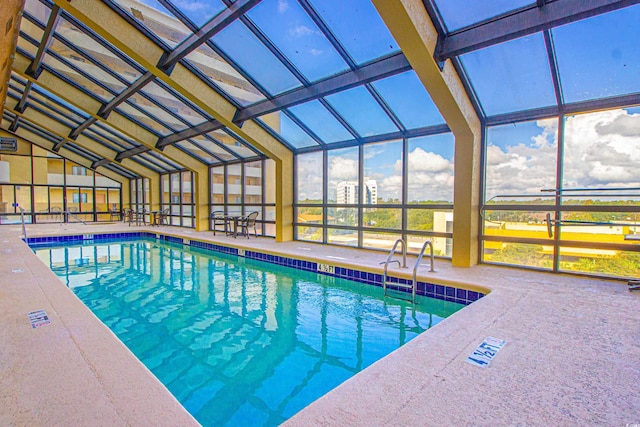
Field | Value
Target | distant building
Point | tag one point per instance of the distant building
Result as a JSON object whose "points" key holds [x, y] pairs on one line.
{"points": [[347, 192]]}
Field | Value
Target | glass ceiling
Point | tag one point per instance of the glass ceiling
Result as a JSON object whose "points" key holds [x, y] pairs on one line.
{"points": [[274, 63]]}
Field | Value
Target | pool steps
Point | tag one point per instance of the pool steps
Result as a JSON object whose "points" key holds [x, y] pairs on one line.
{"points": [[414, 284]]}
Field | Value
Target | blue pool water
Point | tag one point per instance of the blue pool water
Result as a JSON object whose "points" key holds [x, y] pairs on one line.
{"points": [[238, 341]]}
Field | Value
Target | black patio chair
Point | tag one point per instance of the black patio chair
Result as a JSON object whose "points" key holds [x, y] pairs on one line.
{"points": [[115, 214], [219, 218], [247, 223], [163, 219]]}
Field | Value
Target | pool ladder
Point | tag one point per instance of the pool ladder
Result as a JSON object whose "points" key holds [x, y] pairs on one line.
{"points": [[414, 284]]}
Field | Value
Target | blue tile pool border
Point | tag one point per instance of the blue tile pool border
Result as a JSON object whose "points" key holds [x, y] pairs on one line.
{"points": [[432, 290]]}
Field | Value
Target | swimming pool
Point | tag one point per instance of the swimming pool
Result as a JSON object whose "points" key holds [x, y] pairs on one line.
{"points": [[238, 341]]}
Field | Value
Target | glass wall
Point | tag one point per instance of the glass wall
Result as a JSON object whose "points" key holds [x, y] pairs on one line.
{"points": [[370, 195], [140, 195], [45, 185], [563, 193], [242, 188], [177, 195]]}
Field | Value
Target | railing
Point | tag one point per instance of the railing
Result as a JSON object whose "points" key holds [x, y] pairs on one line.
{"points": [[389, 260], [570, 192], [414, 284], [24, 227], [415, 268], [64, 215]]}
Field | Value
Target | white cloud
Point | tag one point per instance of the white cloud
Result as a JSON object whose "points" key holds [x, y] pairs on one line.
{"points": [[430, 176], [310, 177], [300, 31], [426, 161], [431, 186], [343, 168], [526, 166], [601, 150], [283, 6], [373, 150], [191, 6], [316, 52]]}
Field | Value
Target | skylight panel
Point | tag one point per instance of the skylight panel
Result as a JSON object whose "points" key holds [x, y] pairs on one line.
{"points": [[409, 100], [362, 112], [358, 27], [157, 19], [223, 75], [599, 57], [511, 76], [252, 55], [199, 11], [288, 130], [78, 77], [317, 118], [295, 34], [462, 13]]}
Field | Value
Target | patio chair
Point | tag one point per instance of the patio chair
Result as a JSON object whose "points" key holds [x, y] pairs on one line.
{"points": [[115, 214], [247, 223], [56, 212], [163, 219], [219, 218], [127, 216], [140, 217]]}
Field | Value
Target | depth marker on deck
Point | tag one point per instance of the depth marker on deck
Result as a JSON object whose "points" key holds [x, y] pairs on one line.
{"points": [[38, 318], [484, 354]]}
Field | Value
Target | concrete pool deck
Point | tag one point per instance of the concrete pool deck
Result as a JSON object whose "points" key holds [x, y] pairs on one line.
{"points": [[572, 354]]}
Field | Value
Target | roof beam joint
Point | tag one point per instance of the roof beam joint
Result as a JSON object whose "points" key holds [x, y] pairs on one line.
{"points": [[58, 145], [131, 152], [191, 132], [211, 28], [35, 68], [389, 66], [106, 109], [73, 135], [522, 23], [95, 165]]}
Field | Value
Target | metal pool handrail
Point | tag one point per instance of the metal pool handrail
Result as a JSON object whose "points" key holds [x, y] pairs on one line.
{"points": [[67, 213], [415, 269], [24, 228]]}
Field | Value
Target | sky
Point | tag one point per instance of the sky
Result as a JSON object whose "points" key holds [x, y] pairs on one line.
{"points": [[430, 169], [601, 150]]}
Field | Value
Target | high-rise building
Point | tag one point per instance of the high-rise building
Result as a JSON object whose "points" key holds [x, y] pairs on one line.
{"points": [[347, 192]]}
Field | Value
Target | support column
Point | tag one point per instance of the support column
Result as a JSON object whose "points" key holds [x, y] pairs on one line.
{"points": [[284, 198], [125, 190], [416, 35], [154, 193], [201, 191], [10, 18]]}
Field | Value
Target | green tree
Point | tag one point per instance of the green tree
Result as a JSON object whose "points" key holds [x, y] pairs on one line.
{"points": [[522, 254]]}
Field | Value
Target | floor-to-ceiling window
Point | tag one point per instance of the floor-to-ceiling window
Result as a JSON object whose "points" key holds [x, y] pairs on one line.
{"points": [[563, 193], [140, 195], [372, 194], [46, 186], [242, 188], [177, 195]]}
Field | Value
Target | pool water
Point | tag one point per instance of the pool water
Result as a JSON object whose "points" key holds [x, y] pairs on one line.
{"points": [[238, 341]]}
